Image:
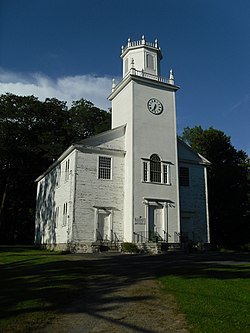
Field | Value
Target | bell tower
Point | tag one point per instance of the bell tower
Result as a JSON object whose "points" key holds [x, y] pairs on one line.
{"points": [[145, 102], [142, 55]]}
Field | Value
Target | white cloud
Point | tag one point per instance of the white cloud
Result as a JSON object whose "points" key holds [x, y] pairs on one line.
{"points": [[69, 88]]}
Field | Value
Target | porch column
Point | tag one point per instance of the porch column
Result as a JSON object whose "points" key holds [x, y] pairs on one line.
{"points": [[147, 221], [165, 214], [111, 231], [95, 222]]}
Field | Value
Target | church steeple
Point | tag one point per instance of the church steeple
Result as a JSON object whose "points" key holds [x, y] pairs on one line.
{"points": [[146, 56]]}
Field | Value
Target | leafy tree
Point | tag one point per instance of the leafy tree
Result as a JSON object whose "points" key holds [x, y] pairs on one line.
{"points": [[85, 120], [228, 185], [32, 135]]}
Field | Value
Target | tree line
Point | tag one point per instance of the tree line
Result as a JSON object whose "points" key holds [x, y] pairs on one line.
{"points": [[34, 133]]}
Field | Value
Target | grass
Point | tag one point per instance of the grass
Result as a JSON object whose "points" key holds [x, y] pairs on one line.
{"points": [[218, 302], [34, 286]]}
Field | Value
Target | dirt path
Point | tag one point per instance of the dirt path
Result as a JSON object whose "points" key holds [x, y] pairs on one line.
{"points": [[141, 307], [122, 295]]}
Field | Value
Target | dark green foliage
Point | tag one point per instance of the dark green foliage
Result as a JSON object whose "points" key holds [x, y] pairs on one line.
{"points": [[32, 135], [130, 247], [228, 185]]}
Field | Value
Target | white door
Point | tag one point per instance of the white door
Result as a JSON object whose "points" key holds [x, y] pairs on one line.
{"points": [[159, 223], [155, 223], [103, 226]]}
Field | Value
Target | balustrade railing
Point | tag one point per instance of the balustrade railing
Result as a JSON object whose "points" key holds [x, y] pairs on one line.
{"points": [[156, 236], [140, 42], [147, 75], [143, 74]]}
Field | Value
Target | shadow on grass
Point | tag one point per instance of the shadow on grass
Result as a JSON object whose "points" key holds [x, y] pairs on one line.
{"points": [[41, 282]]}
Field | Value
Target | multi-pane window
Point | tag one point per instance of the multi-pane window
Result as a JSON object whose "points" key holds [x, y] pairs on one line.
{"points": [[184, 176], [65, 214], [104, 167], [67, 170], [165, 173], [155, 171], [145, 171]]}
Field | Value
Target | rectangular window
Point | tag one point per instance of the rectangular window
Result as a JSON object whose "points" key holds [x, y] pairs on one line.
{"points": [[104, 168], [165, 174], [65, 214], [184, 176], [145, 171], [67, 170]]}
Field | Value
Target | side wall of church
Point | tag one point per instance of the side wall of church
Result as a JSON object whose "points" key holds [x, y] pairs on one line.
{"points": [[193, 204], [54, 211], [92, 193]]}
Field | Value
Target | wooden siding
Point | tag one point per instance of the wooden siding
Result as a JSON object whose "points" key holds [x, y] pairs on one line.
{"points": [[92, 192]]}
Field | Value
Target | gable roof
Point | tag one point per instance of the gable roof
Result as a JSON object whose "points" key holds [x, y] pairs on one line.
{"points": [[106, 136], [186, 154], [90, 145]]}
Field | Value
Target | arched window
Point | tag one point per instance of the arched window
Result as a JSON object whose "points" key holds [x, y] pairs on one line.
{"points": [[155, 168], [150, 61], [126, 65]]}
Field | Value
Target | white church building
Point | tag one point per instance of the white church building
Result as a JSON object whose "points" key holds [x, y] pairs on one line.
{"points": [[135, 183]]}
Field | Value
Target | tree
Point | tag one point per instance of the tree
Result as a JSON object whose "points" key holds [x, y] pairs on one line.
{"points": [[85, 120], [32, 135], [228, 185]]}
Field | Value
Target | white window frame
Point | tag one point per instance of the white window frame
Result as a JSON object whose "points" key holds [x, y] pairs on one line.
{"points": [[145, 166], [110, 169]]}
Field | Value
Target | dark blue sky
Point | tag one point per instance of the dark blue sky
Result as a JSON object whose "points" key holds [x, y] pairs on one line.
{"points": [[71, 49]]}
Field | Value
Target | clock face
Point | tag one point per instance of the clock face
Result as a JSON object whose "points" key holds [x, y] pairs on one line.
{"points": [[155, 106]]}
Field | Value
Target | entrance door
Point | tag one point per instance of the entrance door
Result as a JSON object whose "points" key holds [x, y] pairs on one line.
{"points": [[103, 225], [155, 226]]}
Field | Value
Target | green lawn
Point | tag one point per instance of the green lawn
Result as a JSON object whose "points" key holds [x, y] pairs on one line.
{"points": [[34, 285], [216, 302]]}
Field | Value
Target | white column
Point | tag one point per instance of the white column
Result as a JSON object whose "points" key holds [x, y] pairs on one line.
{"points": [[147, 221], [95, 223], [110, 225], [165, 225]]}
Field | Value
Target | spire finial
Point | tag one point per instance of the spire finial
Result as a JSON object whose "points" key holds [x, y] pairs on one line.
{"points": [[143, 40], [156, 42], [113, 84], [171, 77]]}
